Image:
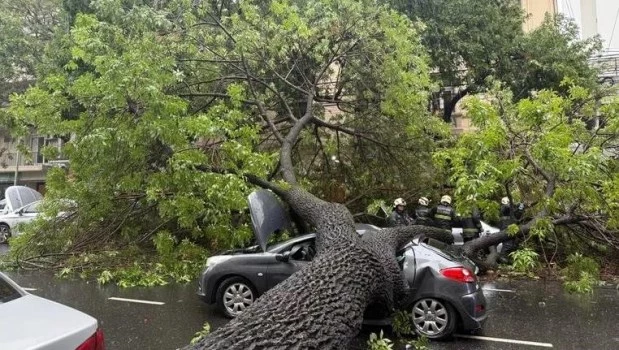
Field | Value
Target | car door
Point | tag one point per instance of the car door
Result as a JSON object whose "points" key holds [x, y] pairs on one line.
{"points": [[279, 271], [25, 214]]}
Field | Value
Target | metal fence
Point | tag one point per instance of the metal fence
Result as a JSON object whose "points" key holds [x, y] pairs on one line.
{"points": [[608, 65]]}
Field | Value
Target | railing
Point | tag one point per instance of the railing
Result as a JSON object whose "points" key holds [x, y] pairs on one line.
{"points": [[10, 159], [608, 66]]}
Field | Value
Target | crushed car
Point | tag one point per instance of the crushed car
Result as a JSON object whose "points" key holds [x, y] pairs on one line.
{"points": [[446, 295]]}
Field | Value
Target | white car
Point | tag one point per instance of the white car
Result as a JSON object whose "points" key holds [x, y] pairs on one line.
{"points": [[21, 206], [29, 322], [487, 230]]}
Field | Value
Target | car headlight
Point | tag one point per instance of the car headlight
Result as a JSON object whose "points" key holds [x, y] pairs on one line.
{"points": [[214, 260]]}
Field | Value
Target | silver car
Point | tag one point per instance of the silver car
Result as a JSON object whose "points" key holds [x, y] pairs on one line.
{"points": [[29, 322], [444, 293]]}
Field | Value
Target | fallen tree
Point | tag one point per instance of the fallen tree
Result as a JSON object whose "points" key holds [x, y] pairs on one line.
{"points": [[322, 306]]}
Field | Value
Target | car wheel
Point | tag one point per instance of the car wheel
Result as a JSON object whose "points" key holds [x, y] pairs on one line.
{"points": [[433, 318], [5, 233], [234, 295]]}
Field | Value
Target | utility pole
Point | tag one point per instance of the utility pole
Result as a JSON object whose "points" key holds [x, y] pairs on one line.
{"points": [[16, 169]]}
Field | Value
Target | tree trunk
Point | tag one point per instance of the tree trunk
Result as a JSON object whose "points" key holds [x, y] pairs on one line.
{"points": [[322, 305], [451, 105]]}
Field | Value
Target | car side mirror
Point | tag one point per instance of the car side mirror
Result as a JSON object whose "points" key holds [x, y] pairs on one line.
{"points": [[283, 257], [20, 212]]}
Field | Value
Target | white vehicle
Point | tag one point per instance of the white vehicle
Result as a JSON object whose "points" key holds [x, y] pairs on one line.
{"points": [[487, 230], [29, 322], [21, 206]]}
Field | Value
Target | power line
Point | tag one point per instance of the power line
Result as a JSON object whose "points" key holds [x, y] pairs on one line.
{"points": [[612, 34], [568, 5]]}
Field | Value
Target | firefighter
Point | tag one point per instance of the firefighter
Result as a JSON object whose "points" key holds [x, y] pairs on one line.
{"points": [[444, 214], [506, 219], [471, 225], [399, 217], [422, 212]]}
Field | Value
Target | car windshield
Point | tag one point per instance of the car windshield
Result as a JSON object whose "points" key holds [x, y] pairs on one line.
{"points": [[445, 250], [7, 292]]}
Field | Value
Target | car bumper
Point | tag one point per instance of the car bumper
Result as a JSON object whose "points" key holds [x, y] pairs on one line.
{"points": [[473, 310], [204, 292]]}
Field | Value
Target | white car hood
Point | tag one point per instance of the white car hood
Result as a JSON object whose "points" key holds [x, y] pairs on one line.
{"points": [[20, 196], [31, 322]]}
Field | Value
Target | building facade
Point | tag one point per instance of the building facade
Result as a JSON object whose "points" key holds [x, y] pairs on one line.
{"points": [[536, 11], [26, 169]]}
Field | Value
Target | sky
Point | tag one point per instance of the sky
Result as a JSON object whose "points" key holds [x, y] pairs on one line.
{"points": [[607, 18]]}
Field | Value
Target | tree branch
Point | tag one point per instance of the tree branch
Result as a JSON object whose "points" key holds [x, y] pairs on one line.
{"points": [[286, 149]]}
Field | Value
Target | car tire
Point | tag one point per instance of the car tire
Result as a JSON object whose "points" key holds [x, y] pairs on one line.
{"points": [[234, 295], [5, 233], [433, 318]]}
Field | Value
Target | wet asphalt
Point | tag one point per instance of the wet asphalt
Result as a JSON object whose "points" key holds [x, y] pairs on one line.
{"points": [[534, 311]]}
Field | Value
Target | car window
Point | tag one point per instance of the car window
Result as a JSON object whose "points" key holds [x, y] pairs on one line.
{"points": [[7, 292], [305, 251], [32, 208]]}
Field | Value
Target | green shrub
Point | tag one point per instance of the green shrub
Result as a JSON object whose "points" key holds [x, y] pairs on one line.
{"points": [[422, 343], [378, 342], [581, 274], [525, 260], [206, 329], [402, 324]]}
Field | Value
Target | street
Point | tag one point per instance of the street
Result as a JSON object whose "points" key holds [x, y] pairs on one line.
{"points": [[523, 314]]}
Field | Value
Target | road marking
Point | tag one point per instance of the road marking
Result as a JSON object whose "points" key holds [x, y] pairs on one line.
{"points": [[499, 290], [28, 289], [501, 340], [137, 301]]}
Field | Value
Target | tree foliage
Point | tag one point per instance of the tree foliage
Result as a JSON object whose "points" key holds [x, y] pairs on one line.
{"points": [[167, 108], [472, 41], [26, 26], [556, 154]]}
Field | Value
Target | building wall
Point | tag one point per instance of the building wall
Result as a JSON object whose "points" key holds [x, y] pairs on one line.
{"points": [[536, 11], [31, 171], [588, 18]]}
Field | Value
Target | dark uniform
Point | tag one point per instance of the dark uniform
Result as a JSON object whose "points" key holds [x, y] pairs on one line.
{"points": [[444, 217], [471, 226], [423, 216], [507, 219], [400, 219]]}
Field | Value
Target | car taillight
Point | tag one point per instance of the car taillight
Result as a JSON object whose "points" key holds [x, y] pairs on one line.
{"points": [[95, 342], [460, 274]]}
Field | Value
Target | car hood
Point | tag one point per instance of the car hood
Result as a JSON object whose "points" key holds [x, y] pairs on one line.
{"points": [[268, 215], [20, 196], [31, 322]]}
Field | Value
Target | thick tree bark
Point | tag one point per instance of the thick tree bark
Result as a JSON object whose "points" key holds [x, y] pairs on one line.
{"points": [[470, 248], [322, 305], [451, 105]]}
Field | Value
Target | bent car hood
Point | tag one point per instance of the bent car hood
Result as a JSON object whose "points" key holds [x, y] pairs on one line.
{"points": [[268, 215], [19, 196], [31, 322]]}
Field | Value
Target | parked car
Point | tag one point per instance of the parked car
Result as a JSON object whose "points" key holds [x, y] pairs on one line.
{"points": [[21, 206], [487, 230], [31, 322], [445, 289], [10, 220]]}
